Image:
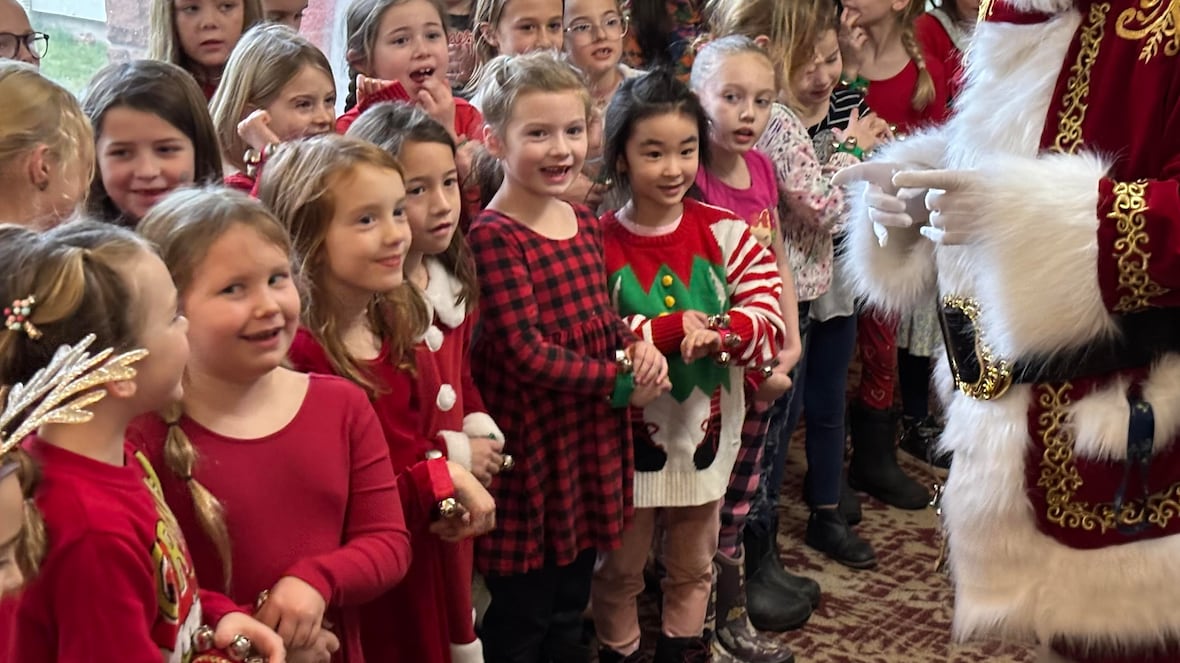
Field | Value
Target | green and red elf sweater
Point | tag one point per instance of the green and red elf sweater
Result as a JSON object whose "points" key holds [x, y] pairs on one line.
{"points": [[687, 440]]}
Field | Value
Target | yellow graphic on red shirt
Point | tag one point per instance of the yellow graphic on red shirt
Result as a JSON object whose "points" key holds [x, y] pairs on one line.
{"points": [[762, 227], [179, 610]]}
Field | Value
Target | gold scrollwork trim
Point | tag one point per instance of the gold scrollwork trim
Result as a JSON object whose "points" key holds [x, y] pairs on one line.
{"points": [[1153, 21], [1130, 203], [1059, 476], [995, 374], [1077, 88]]}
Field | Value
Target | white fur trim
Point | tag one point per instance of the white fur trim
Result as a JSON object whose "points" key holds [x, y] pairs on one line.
{"points": [[471, 652], [1041, 292], [441, 292], [481, 424], [1100, 420], [1013, 581], [458, 447], [433, 338], [899, 275], [446, 398]]}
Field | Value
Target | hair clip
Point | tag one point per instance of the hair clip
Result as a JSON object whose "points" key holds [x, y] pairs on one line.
{"points": [[18, 316]]}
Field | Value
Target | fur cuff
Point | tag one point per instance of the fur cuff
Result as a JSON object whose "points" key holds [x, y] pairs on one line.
{"points": [[472, 652], [1041, 291], [458, 447], [900, 275], [480, 424]]}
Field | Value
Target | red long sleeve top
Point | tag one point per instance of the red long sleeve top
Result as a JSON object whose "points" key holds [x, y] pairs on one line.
{"points": [[117, 583], [316, 500]]}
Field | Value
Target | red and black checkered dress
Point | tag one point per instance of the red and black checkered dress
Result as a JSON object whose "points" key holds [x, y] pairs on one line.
{"points": [[544, 361]]}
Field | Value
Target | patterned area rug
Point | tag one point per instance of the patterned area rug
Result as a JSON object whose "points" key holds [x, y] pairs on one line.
{"points": [[899, 612]]}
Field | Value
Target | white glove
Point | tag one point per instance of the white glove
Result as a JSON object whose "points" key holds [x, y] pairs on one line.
{"points": [[889, 205], [954, 198]]}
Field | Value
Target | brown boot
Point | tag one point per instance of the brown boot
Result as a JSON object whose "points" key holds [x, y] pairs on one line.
{"points": [[735, 635]]}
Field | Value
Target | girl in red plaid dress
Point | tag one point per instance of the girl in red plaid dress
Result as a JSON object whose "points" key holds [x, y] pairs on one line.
{"points": [[556, 366]]}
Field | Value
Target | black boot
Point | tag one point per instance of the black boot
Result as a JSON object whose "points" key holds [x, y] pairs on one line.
{"points": [[849, 502], [919, 438], [608, 655], [734, 637], [874, 468], [682, 650], [775, 599], [829, 533]]}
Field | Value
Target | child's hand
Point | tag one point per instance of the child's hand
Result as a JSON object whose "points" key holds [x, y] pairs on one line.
{"points": [[478, 508], [699, 343], [694, 321], [486, 458], [264, 640], [584, 191], [852, 40], [867, 130], [436, 99], [255, 130], [645, 394], [777, 384], [648, 364], [326, 643], [295, 610]]}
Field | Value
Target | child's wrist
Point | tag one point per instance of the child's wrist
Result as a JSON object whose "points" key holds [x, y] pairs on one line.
{"points": [[849, 146], [624, 380], [854, 81]]}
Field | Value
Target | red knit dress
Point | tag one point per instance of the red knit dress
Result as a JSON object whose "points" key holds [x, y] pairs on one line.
{"points": [[544, 362], [419, 619]]}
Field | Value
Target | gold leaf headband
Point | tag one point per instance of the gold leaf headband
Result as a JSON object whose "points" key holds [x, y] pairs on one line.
{"points": [[61, 392]]}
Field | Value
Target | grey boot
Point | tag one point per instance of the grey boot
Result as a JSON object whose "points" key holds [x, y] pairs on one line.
{"points": [[735, 635]]}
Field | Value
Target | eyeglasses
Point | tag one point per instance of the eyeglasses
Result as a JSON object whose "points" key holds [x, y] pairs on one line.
{"points": [[36, 42], [612, 27]]}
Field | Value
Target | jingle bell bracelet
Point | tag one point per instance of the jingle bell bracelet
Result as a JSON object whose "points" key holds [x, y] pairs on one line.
{"points": [[508, 463], [240, 649]]}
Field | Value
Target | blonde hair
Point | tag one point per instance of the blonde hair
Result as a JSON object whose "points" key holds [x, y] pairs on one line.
{"points": [[362, 21], [704, 66], [924, 87], [263, 62], [164, 43], [37, 111], [297, 184], [511, 76], [789, 28], [184, 226], [75, 273]]}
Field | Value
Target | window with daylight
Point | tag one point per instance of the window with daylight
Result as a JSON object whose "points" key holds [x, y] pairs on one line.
{"points": [[85, 35]]}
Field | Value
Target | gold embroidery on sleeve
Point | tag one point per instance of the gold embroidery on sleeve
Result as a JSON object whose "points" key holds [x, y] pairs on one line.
{"points": [[1153, 21], [1130, 203], [1077, 88]]}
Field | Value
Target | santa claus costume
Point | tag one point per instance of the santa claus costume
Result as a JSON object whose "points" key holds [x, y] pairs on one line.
{"points": [[1050, 227]]}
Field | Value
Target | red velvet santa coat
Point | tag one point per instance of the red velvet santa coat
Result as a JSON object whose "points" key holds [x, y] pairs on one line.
{"points": [[1069, 132], [427, 618]]}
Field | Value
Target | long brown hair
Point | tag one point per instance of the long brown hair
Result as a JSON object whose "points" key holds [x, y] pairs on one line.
{"points": [[362, 21], [74, 274], [297, 185], [184, 226], [390, 126], [164, 42], [161, 89]]}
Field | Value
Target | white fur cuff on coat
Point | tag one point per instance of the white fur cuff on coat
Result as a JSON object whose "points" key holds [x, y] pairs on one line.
{"points": [[458, 447], [900, 275], [481, 424], [1039, 222]]}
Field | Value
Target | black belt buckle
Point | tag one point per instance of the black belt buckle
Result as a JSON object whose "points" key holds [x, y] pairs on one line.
{"points": [[958, 334], [977, 372]]}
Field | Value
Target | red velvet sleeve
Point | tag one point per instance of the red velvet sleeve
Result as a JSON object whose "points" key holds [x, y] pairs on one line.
{"points": [[1139, 244], [376, 550], [510, 308], [215, 605]]}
